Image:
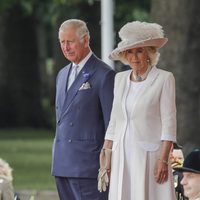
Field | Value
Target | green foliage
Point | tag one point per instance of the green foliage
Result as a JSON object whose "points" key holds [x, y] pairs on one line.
{"points": [[28, 152], [126, 10], [6, 4], [27, 90]]}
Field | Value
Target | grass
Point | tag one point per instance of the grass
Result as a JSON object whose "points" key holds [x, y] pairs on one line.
{"points": [[28, 152]]}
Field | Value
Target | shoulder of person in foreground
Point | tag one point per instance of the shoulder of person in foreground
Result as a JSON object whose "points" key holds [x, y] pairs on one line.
{"points": [[6, 187]]}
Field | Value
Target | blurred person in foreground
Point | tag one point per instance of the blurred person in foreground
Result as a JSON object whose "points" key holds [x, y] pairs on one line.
{"points": [[177, 159], [191, 175], [83, 104], [142, 127], [6, 187]]}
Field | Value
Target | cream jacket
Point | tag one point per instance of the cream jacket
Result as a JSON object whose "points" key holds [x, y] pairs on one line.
{"points": [[154, 114]]}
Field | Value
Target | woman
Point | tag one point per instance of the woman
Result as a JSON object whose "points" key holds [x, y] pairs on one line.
{"points": [[142, 127]]}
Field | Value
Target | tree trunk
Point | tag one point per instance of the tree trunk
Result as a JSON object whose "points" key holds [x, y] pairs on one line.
{"points": [[180, 20]]}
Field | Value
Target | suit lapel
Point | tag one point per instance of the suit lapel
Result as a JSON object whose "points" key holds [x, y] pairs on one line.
{"points": [[61, 86], [84, 75]]}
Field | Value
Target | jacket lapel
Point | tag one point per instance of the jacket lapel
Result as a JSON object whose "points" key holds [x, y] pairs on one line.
{"points": [[125, 93], [61, 86], [84, 75], [150, 79]]}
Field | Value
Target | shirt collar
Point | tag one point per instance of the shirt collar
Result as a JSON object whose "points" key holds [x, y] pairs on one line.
{"points": [[82, 63]]}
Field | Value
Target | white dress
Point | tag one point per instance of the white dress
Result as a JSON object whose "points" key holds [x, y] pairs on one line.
{"points": [[142, 115], [139, 183]]}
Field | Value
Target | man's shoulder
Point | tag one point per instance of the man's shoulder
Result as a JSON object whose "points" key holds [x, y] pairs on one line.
{"points": [[101, 65], [64, 69]]}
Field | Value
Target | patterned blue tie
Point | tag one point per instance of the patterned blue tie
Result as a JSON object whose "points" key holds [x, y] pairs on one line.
{"points": [[72, 76]]}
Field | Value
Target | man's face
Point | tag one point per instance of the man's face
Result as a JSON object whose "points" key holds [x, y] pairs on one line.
{"points": [[73, 47], [191, 184]]}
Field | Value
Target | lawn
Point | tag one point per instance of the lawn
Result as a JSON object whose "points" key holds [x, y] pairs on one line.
{"points": [[28, 152]]}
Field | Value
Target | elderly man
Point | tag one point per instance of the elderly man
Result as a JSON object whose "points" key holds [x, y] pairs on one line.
{"points": [[84, 95], [191, 175]]}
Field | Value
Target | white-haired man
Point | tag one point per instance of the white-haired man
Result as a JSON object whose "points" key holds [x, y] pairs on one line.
{"points": [[83, 104]]}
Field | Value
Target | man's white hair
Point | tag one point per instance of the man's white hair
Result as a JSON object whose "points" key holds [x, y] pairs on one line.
{"points": [[79, 25]]}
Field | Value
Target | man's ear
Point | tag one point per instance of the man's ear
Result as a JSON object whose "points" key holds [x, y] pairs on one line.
{"points": [[86, 41]]}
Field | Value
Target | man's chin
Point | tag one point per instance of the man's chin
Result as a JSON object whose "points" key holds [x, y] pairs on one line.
{"points": [[188, 194]]}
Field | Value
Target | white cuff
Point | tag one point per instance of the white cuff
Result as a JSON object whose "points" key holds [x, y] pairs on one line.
{"points": [[168, 137]]}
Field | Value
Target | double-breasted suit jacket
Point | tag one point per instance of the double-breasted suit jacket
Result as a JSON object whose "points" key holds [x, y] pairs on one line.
{"points": [[82, 115]]}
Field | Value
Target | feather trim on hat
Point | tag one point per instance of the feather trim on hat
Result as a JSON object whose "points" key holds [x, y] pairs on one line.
{"points": [[138, 34], [138, 31]]}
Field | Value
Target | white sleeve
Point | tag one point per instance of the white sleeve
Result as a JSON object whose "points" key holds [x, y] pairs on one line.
{"points": [[110, 132], [168, 109]]}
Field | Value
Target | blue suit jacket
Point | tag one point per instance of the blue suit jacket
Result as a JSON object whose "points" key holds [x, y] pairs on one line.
{"points": [[82, 119]]}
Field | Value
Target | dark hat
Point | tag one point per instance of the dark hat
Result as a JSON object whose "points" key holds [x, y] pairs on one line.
{"points": [[177, 146], [191, 163]]}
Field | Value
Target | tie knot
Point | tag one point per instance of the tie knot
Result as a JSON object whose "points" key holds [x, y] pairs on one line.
{"points": [[73, 75]]}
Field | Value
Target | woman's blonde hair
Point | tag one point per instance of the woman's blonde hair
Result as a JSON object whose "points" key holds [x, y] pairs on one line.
{"points": [[152, 52]]}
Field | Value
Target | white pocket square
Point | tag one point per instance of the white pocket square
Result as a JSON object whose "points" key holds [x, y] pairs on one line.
{"points": [[85, 86]]}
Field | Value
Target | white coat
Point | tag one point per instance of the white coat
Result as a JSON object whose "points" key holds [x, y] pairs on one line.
{"points": [[154, 119]]}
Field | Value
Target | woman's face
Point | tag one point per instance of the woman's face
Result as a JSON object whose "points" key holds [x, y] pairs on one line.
{"points": [[138, 59]]}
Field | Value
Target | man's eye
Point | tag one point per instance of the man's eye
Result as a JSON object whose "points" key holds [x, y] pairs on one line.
{"points": [[71, 42]]}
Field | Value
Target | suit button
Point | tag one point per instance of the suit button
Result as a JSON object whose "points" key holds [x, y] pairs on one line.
{"points": [[71, 124], [69, 140], [58, 122]]}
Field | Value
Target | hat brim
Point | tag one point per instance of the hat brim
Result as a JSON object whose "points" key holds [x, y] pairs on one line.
{"points": [[157, 42], [185, 169]]}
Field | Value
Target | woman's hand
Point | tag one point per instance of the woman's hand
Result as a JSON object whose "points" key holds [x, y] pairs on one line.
{"points": [[161, 171]]}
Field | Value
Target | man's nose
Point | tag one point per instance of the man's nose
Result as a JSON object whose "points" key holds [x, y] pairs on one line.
{"points": [[66, 46], [182, 181]]}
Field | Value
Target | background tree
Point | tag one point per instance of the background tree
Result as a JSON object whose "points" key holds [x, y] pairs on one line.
{"points": [[30, 53], [180, 20], [20, 85]]}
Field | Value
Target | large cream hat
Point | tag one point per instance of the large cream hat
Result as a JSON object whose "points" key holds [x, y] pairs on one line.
{"points": [[139, 34]]}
